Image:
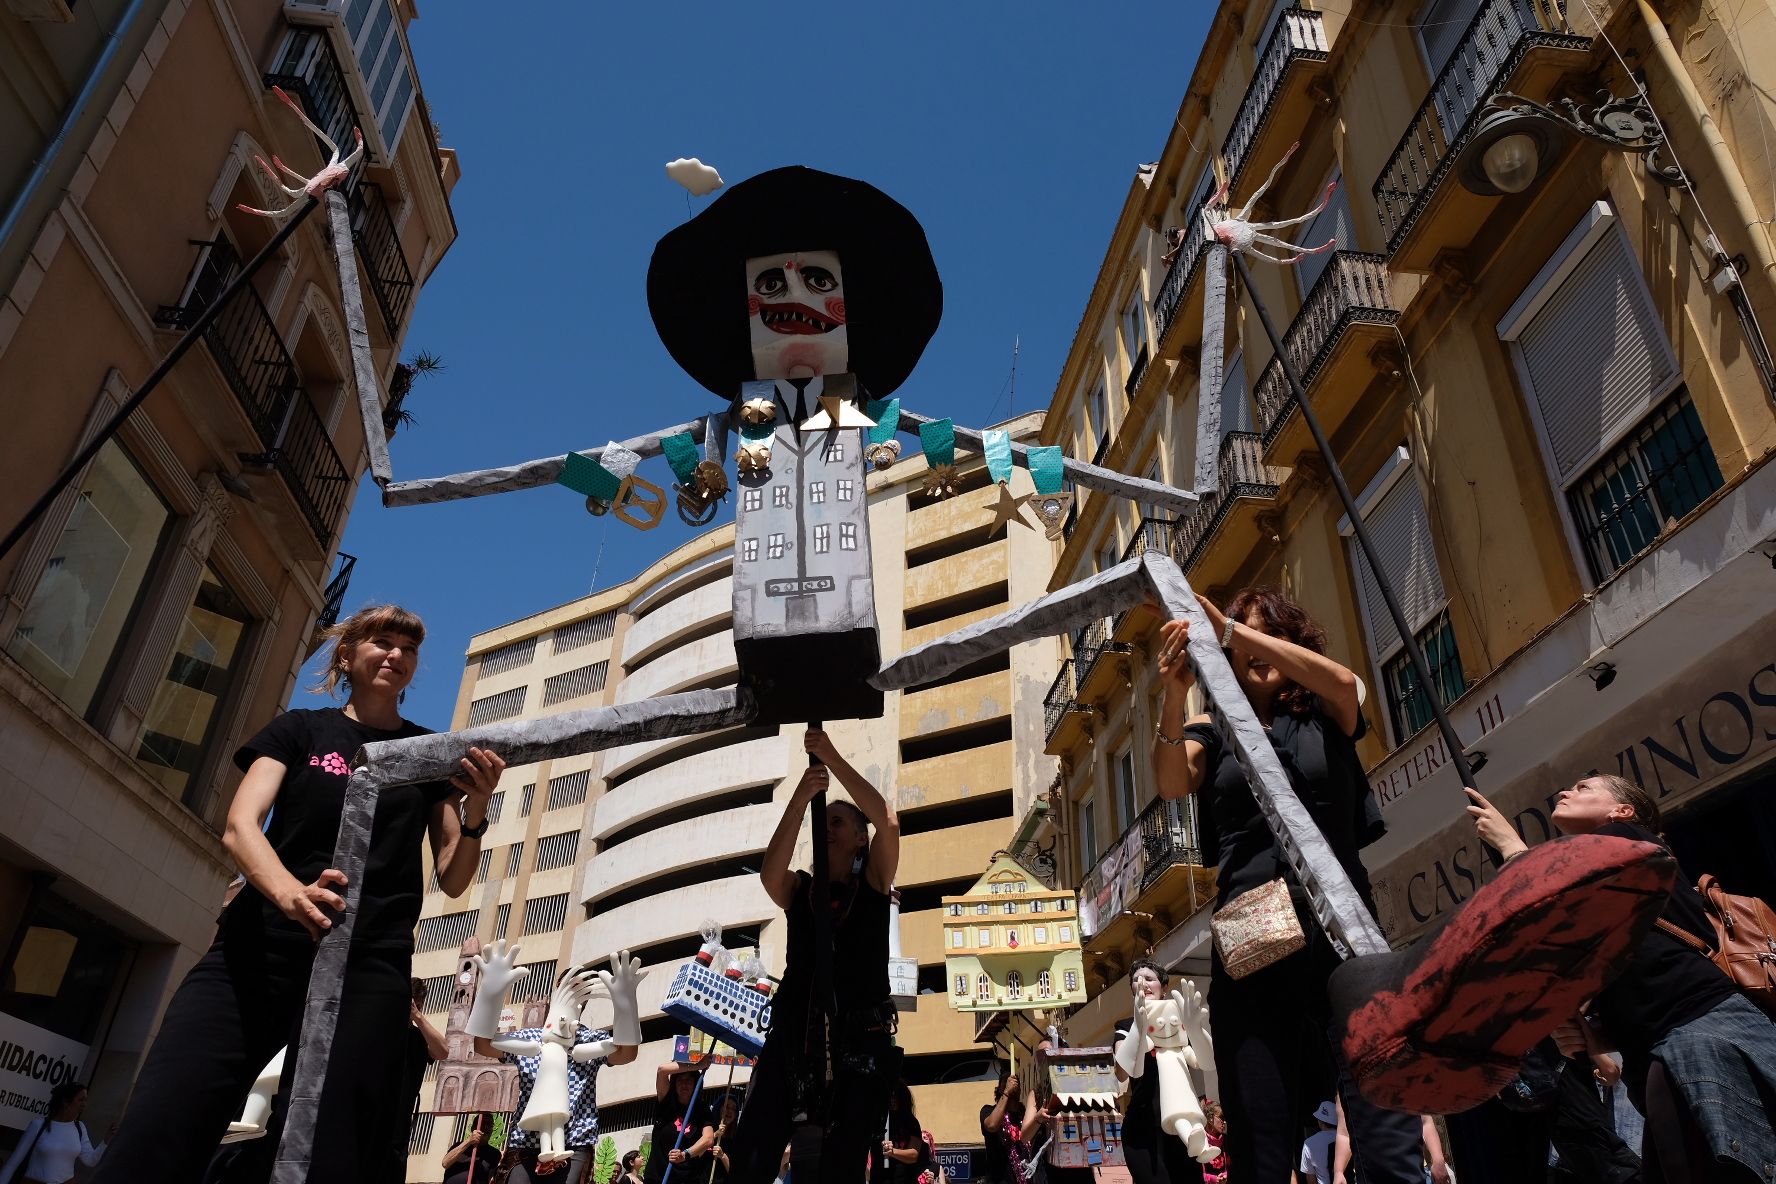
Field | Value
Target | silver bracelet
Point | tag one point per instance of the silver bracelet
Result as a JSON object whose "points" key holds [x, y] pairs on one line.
{"points": [[1227, 635], [1159, 733]]}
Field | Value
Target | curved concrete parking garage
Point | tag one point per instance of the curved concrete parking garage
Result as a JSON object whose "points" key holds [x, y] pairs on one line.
{"points": [[718, 835], [661, 628], [676, 669], [694, 778], [731, 901]]}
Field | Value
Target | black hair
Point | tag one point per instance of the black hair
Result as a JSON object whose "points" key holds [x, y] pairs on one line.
{"points": [[1165, 978], [863, 822], [904, 1096], [62, 1093]]}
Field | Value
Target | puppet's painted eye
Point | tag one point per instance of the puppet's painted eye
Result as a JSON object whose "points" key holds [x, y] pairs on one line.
{"points": [[770, 282], [819, 280]]}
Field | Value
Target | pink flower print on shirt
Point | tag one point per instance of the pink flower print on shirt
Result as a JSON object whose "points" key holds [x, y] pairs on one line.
{"points": [[332, 763]]}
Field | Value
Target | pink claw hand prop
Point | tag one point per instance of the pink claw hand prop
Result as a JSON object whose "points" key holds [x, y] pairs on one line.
{"points": [[332, 174], [1240, 234]]}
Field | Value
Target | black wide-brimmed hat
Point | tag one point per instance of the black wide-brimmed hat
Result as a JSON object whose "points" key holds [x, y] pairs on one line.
{"points": [[697, 280]]}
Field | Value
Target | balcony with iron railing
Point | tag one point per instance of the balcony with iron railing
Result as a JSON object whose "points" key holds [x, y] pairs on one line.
{"points": [[333, 599], [1105, 442], [1247, 485], [1349, 310], [1154, 868], [256, 366], [1276, 102], [1179, 298], [1517, 46], [1065, 719], [1137, 371], [1097, 661], [1151, 535], [374, 233]]}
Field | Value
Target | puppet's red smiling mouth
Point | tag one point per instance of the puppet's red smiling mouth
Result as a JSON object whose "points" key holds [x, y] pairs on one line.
{"points": [[795, 319]]}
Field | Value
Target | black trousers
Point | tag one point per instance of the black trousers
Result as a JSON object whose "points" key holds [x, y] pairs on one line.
{"points": [[238, 1006], [852, 1114], [1277, 1061]]}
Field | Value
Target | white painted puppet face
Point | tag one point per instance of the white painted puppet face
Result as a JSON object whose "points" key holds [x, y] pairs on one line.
{"points": [[796, 315]]}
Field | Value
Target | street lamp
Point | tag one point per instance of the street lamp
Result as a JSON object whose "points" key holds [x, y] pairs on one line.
{"points": [[1515, 141]]}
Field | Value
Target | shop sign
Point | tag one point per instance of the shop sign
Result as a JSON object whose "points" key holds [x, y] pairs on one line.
{"points": [[1713, 723], [33, 1061], [957, 1162]]}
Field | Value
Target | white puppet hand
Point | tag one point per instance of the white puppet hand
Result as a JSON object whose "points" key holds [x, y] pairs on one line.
{"points": [[1131, 1052], [1196, 1026], [498, 971], [622, 980]]}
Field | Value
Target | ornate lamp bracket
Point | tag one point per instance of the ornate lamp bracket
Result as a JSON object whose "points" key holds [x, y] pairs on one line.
{"points": [[1627, 125]]}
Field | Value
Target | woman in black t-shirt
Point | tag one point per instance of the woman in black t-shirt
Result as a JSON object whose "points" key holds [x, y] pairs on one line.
{"points": [[1273, 1047], [787, 1080], [243, 1000], [1699, 1058], [679, 1138], [903, 1154], [473, 1160], [1002, 1129]]}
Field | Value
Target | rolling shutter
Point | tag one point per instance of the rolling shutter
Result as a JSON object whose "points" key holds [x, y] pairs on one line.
{"points": [[1401, 531], [1332, 222], [1236, 400], [1441, 24]]}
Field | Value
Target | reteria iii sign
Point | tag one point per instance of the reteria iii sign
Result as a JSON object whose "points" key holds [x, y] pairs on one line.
{"points": [[1715, 721]]}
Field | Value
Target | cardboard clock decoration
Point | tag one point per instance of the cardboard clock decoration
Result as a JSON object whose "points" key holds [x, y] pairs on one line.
{"points": [[812, 296], [1011, 943]]}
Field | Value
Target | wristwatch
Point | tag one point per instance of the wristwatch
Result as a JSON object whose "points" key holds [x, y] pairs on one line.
{"points": [[474, 832]]}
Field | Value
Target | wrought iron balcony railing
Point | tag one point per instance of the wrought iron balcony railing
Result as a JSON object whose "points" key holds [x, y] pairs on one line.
{"points": [[1354, 287], [1059, 700], [391, 281], [1103, 449], [1495, 41], [1300, 35], [1181, 274], [1137, 372], [335, 592], [1243, 474], [1092, 645], [309, 71], [1164, 836], [1154, 534]]}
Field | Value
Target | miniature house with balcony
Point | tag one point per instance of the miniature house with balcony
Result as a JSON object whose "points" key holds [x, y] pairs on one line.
{"points": [[1012, 943]]}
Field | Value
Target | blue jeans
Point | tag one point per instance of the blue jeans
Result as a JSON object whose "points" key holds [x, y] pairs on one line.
{"points": [[1724, 1066]]}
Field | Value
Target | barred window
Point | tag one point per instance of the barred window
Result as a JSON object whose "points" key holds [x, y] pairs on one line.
{"points": [[420, 1138], [555, 851], [753, 499], [538, 984], [514, 857], [816, 493], [508, 657], [583, 633], [445, 932], [493, 806], [847, 536], [481, 868], [545, 914], [569, 790], [584, 681], [847, 488], [775, 549], [437, 991], [530, 793], [500, 920], [494, 708]]}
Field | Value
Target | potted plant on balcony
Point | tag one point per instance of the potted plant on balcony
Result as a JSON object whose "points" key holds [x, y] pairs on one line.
{"points": [[395, 415]]}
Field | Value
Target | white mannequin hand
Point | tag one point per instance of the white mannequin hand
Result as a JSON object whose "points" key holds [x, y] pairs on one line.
{"points": [[1131, 1052], [498, 972], [622, 980], [1196, 1025]]}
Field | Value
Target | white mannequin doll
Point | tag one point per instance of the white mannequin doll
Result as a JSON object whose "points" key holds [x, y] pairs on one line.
{"points": [[254, 1115], [547, 1111], [1176, 1030]]}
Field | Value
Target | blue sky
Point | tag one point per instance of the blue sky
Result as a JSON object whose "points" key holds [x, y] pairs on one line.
{"points": [[1011, 131]]}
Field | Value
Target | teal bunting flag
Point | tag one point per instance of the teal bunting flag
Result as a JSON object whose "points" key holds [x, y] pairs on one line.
{"points": [[752, 433], [996, 445], [939, 441], [586, 476], [1045, 468], [886, 413], [681, 454]]}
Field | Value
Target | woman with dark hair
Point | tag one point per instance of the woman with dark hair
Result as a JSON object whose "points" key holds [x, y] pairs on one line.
{"points": [[51, 1146], [243, 1001], [1273, 1047], [1699, 1058], [1002, 1126], [1153, 1155], [628, 1171], [787, 1080], [473, 1160], [902, 1155]]}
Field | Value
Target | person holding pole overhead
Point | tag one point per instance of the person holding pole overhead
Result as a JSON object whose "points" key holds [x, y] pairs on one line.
{"points": [[790, 1082]]}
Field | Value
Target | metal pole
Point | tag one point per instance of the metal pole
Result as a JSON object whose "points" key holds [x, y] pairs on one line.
{"points": [[1420, 667], [179, 350]]}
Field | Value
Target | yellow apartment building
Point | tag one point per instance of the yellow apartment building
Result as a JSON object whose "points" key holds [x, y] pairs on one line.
{"points": [[163, 607], [636, 847], [1553, 404]]}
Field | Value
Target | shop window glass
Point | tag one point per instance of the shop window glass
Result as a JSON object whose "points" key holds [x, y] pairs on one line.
{"points": [[182, 716], [65, 973], [80, 610]]}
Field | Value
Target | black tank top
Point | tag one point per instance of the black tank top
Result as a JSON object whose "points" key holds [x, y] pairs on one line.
{"points": [[860, 947]]}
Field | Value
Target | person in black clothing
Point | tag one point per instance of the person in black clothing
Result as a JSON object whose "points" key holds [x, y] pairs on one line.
{"points": [[425, 1045], [1274, 1049], [1002, 1126], [902, 1154], [243, 1000], [1153, 1155], [1699, 1059], [473, 1160], [679, 1139], [789, 1087]]}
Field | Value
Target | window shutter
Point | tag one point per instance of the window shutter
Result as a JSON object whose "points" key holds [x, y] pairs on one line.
{"points": [[1332, 222], [1236, 401], [1441, 26], [1401, 531], [1596, 355]]}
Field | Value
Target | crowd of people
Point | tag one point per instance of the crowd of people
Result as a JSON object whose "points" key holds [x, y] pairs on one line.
{"points": [[1668, 1075]]}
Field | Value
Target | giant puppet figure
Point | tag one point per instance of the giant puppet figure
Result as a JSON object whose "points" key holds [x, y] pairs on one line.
{"points": [[800, 299]]}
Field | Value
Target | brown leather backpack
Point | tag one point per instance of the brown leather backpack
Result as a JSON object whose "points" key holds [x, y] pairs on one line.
{"points": [[1744, 941]]}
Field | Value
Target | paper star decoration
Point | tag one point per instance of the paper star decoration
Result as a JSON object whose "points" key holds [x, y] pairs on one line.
{"points": [[1010, 508], [836, 411], [694, 175]]}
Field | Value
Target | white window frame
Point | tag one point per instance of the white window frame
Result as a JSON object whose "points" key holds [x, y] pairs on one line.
{"points": [[962, 986], [1598, 221], [753, 499], [1128, 794], [1088, 833], [1066, 933], [779, 496], [816, 493], [1134, 330]]}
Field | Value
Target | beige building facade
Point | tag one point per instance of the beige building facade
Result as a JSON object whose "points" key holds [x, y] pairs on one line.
{"points": [[636, 847], [162, 608], [1553, 406]]}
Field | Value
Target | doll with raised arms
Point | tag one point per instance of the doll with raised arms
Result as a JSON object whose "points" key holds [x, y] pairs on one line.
{"points": [[1171, 1033]]}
